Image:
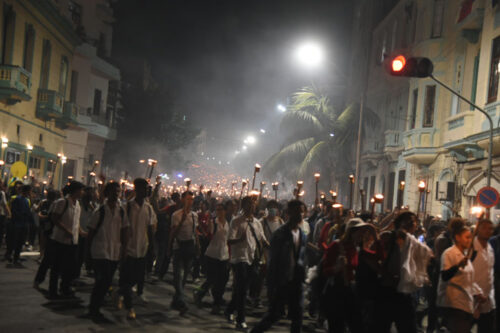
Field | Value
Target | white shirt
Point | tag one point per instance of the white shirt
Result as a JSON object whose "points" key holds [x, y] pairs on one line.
{"points": [[245, 251], [270, 227], [186, 231], [459, 291], [218, 248], [296, 238], [70, 219], [484, 274], [305, 227], [106, 243], [140, 218]]}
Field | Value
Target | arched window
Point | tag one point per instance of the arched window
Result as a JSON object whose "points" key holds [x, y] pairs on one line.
{"points": [[9, 22]]}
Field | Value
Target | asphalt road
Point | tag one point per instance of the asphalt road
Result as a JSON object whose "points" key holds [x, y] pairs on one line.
{"points": [[24, 309]]}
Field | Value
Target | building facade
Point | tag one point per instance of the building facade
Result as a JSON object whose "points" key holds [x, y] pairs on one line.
{"points": [[37, 48], [427, 135]]}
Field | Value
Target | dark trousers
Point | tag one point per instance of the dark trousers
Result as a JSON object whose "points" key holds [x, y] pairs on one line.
{"points": [[217, 277], [486, 322], [241, 281], [257, 279], [162, 260], [183, 261], [3, 220], [104, 271], [342, 309], [47, 261], [82, 256], [132, 271], [32, 234], [393, 307], [16, 236], [458, 321], [63, 266], [291, 295]]}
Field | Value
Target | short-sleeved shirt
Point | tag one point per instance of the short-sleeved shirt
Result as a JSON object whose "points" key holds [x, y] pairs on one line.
{"points": [[245, 251], [218, 248], [459, 291], [186, 231], [484, 274], [70, 219], [140, 218], [106, 243]]}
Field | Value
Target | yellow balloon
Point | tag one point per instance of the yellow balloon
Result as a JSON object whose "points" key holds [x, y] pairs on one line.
{"points": [[18, 169]]}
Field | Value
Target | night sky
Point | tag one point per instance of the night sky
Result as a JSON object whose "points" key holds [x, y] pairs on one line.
{"points": [[230, 62]]}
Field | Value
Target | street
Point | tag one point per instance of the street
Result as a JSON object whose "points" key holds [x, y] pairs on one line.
{"points": [[24, 309]]}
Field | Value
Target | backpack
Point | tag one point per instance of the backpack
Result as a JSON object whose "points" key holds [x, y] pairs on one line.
{"points": [[50, 223], [391, 267]]}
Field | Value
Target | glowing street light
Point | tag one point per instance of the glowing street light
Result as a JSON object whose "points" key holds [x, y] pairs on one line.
{"points": [[250, 140], [281, 108], [263, 131], [309, 54]]}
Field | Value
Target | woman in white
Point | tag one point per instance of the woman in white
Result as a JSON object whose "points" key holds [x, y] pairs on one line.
{"points": [[217, 258], [458, 294]]}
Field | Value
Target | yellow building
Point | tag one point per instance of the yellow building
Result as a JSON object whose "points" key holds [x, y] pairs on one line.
{"points": [[427, 134], [36, 48]]}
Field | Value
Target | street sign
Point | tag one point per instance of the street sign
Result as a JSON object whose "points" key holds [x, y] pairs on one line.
{"points": [[488, 197]]}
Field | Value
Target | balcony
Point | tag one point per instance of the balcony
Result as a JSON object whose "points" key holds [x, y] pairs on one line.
{"points": [[393, 144], [420, 146], [69, 117], [49, 105], [15, 84]]}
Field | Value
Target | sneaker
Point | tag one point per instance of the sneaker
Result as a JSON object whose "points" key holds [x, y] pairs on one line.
{"points": [[242, 326], [131, 314], [229, 317]]}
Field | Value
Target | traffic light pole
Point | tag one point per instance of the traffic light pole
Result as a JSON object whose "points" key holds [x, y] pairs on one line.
{"points": [[490, 154]]}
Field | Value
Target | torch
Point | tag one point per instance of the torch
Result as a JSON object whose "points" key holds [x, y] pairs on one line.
{"points": [[316, 179], [362, 193], [244, 183], [334, 196], [188, 183], [421, 189], [233, 183], [401, 190], [151, 164], [377, 199], [351, 193], [300, 184], [262, 186], [255, 171], [275, 189], [92, 172], [2, 166]]}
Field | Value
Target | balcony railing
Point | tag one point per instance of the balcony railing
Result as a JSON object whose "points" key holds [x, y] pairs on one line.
{"points": [[49, 105], [420, 145], [70, 116], [15, 84], [393, 139]]}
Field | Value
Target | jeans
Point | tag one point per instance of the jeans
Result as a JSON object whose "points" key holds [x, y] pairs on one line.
{"points": [[458, 321], [183, 261], [342, 309], [3, 220], [47, 261], [391, 306], [217, 277], [240, 286], [82, 256], [104, 271], [132, 271], [162, 261], [486, 322], [290, 294], [16, 236], [63, 265]]}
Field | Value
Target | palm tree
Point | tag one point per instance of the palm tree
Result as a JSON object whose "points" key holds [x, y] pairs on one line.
{"points": [[317, 136]]}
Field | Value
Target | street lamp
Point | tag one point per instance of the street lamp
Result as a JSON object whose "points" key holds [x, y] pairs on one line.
{"points": [[310, 55], [317, 176], [300, 184], [281, 108], [377, 199]]}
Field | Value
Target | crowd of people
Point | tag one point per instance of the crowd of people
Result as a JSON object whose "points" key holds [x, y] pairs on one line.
{"points": [[346, 270]]}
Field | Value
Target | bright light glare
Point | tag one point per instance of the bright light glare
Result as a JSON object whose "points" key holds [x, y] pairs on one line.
{"points": [[250, 140], [281, 108], [263, 131], [310, 54], [332, 135], [398, 63], [179, 175], [244, 147]]}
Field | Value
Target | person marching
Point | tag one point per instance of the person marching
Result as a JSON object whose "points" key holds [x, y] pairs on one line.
{"points": [[108, 230], [142, 220]]}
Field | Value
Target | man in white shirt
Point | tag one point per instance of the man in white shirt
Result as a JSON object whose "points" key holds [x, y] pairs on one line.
{"points": [[484, 275], [184, 242], [142, 220], [108, 230], [246, 239], [65, 215]]}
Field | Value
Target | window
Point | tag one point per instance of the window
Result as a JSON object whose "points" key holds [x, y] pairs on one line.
{"points": [[74, 86], [40, 138], [75, 12], [29, 45], [45, 68], [494, 71], [18, 130], [34, 162], [474, 80], [9, 22], [430, 97], [414, 109], [437, 19], [97, 102], [63, 76], [12, 156]]}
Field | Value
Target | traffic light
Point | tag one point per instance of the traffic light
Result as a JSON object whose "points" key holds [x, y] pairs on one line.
{"points": [[410, 67]]}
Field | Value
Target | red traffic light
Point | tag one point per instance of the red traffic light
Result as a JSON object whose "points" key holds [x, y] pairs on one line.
{"points": [[410, 67], [398, 63]]}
